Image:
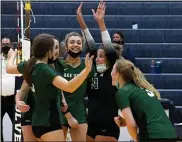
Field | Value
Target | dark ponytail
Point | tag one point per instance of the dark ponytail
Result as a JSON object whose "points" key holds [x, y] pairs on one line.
{"points": [[41, 45], [28, 70]]}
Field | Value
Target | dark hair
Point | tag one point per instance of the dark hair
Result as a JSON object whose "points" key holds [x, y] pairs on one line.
{"points": [[41, 45], [10, 43], [62, 52], [121, 36]]}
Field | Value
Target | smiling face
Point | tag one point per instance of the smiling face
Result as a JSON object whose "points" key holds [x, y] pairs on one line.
{"points": [[74, 44]]}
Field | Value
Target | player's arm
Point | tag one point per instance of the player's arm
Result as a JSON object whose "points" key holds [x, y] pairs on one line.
{"points": [[73, 84], [89, 41], [106, 39], [80, 18], [99, 15], [10, 67], [130, 122], [20, 97], [84, 29], [22, 92], [64, 104]]}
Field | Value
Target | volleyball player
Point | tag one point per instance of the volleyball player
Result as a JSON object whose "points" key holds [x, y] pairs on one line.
{"points": [[25, 103], [43, 79], [102, 106], [73, 65], [139, 103]]}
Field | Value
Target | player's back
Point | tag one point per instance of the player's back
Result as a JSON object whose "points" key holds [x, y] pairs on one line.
{"points": [[149, 113]]}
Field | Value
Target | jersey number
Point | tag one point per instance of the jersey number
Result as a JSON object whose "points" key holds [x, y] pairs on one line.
{"points": [[32, 88], [150, 93], [94, 84]]}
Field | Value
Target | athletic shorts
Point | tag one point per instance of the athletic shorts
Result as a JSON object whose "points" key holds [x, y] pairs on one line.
{"points": [[107, 129], [39, 131], [68, 126], [26, 118], [54, 121]]}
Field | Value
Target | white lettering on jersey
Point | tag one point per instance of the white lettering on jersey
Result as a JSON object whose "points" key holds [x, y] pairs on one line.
{"points": [[94, 84], [69, 75], [32, 88], [150, 93]]}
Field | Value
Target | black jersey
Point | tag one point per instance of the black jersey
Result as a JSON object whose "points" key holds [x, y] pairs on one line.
{"points": [[102, 107]]}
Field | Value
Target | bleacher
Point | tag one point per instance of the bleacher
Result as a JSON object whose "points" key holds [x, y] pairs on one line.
{"points": [[159, 36]]}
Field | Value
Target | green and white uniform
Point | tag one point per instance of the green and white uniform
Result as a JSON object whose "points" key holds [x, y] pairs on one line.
{"points": [[148, 112], [26, 118], [75, 100], [47, 98]]}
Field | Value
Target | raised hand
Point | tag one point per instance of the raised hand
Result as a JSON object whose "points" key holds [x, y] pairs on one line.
{"points": [[89, 62], [12, 53], [80, 17], [79, 9], [100, 12]]}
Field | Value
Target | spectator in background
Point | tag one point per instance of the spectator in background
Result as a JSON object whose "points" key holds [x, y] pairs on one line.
{"points": [[8, 85], [126, 52]]}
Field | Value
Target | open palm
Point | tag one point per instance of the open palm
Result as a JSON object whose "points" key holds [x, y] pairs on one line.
{"points": [[100, 12], [79, 9], [89, 61]]}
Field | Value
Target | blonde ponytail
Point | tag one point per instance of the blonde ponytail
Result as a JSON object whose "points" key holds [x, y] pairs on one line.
{"points": [[132, 74], [141, 81]]}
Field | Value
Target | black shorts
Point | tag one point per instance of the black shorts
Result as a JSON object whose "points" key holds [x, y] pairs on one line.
{"points": [[26, 118], [54, 121], [107, 129], [26, 121], [38, 131], [68, 126]]}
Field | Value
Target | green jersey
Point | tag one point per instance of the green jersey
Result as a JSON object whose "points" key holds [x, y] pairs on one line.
{"points": [[28, 99], [147, 110], [46, 96], [59, 67], [75, 100]]}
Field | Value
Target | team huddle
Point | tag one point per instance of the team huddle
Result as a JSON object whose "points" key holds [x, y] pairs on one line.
{"points": [[53, 91]]}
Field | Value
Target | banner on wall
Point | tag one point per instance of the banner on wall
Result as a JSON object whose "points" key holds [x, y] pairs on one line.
{"points": [[17, 132], [24, 55], [17, 126]]}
